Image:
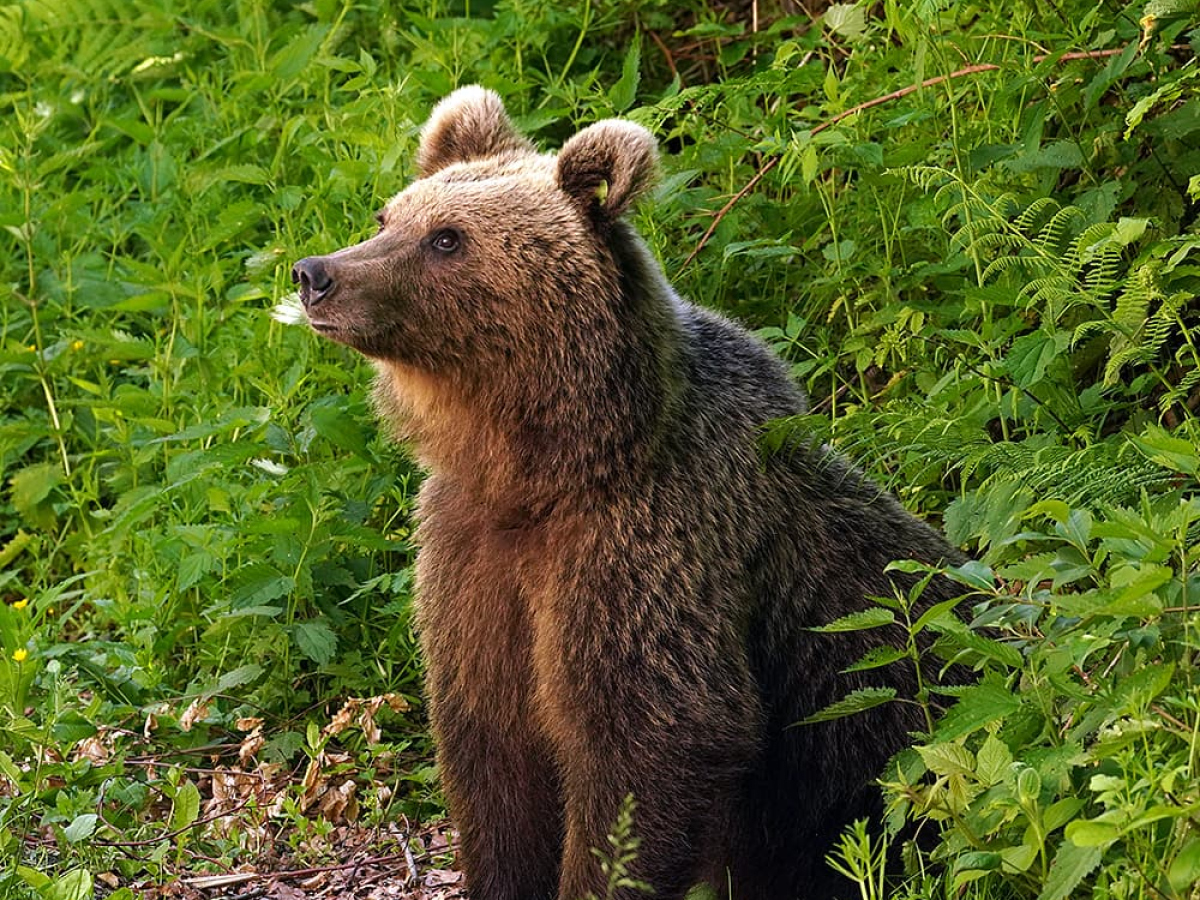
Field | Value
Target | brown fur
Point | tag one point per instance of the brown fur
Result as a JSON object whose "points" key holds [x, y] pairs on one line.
{"points": [[615, 585]]}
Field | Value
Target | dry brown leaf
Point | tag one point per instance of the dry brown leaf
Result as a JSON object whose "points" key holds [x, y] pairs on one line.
{"points": [[340, 804], [251, 744], [93, 749], [197, 710], [248, 723]]}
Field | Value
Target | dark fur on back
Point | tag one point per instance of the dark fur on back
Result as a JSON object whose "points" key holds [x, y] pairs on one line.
{"points": [[615, 583]]}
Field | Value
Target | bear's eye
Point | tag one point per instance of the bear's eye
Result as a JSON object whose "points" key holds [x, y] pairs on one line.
{"points": [[447, 240]]}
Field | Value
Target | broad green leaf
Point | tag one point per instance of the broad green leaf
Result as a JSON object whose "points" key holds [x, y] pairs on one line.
{"points": [[1071, 865], [81, 828], [624, 92], [1161, 447], [1184, 871], [993, 762], [846, 20], [31, 485], [186, 808], [341, 429], [237, 677], [948, 759], [315, 640], [1092, 833], [75, 885], [978, 706]]}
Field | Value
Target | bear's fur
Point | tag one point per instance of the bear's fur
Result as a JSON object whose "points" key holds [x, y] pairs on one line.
{"points": [[615, 583]]}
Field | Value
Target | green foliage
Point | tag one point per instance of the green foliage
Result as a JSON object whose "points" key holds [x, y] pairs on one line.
{"points": [[988, 286], [616, 859]]}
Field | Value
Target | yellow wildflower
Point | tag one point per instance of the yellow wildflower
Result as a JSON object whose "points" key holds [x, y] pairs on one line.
{"points": [[20, 604], [77, 345], [20, 655]]}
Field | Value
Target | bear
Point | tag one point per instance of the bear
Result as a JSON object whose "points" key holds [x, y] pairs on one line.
{"points": [[616, 583]]}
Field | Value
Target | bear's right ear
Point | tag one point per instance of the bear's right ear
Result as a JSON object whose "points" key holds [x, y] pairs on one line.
{"points": [[468, 124]]}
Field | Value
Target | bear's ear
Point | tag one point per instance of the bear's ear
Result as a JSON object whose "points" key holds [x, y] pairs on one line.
{"points": [[468, 124], [608, 166]]}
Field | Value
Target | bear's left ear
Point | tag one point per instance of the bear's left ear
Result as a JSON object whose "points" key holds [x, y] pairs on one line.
{"points": [[608, 166], [468, 124]]}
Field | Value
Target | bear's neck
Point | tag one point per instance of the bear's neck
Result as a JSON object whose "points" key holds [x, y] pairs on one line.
{"points": [[591, 421]]}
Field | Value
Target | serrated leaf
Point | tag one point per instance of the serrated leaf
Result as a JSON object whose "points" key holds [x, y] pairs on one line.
{"points": [[624, 92], [978, 706], [876, 658], [259, 583], [81, 828], [339, 428], [854, 702], [948, 759], [864, 619], [237, 677], [186, 808], [1071, 865], [993, 761], [33, 484], [315, 640]]}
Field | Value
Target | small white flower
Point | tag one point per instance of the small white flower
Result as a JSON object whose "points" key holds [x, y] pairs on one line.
{"points": [[290, 311], [269, 466]]}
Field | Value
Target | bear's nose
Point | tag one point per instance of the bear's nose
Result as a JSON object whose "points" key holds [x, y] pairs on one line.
{"points": [[314, 280]]}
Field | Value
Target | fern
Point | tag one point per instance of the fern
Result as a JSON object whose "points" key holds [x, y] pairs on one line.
{"points": [[86, 39]]}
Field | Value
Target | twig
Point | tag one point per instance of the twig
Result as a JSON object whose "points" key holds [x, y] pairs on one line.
{"points": [[211, 881], [665, 52], [879, 101]]}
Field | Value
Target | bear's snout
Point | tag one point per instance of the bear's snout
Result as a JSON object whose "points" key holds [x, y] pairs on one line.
{"points": [[314, 279]]}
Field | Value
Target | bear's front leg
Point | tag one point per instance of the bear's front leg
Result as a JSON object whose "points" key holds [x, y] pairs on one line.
{"points": [[675, 721], [503, 795], [684, 787]]}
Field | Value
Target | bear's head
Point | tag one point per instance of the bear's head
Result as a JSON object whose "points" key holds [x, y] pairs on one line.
{"points": [[519, 328], [494, 253]]}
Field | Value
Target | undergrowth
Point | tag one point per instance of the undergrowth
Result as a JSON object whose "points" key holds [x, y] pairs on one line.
{"points": [[988, 286]]}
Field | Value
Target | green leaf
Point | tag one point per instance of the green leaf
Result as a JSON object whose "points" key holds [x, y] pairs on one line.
{"points": [[864, 619], [186, 808], [81, 828], [237, 677], [876, 658], [315, 640], [1184, 871], [341, 429], [948, 759], [1071, 865], [854, 702], [978, 706], [75, 885], [259, 583], [993, 762], [624, 92], [1031, 354], [846, 20], [31, 485], [292, 59], [1161, 447]]}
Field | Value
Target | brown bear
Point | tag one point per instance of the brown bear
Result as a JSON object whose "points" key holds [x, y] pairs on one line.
{"points": [[616, 584]]}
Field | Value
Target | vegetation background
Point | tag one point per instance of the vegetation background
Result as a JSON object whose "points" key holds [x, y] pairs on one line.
{"points": [[971, 228]]}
